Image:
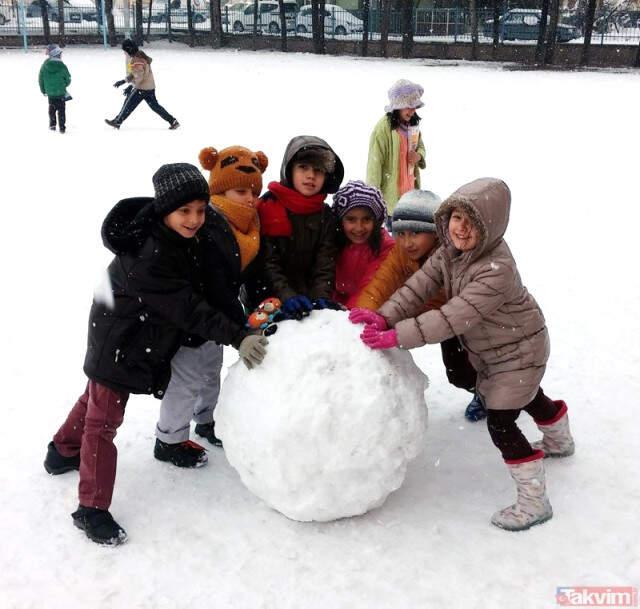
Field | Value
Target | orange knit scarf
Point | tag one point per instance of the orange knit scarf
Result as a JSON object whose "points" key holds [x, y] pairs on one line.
{"points": [[243, 219]]}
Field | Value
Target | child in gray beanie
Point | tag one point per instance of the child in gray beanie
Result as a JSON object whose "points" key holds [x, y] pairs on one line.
{"points": [[54, 78]]}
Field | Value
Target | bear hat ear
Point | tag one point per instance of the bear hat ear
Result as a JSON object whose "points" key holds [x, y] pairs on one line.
{"points": [[263, 161], [208, 158]]}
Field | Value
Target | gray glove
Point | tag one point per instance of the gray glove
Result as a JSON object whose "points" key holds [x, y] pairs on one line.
{"points": [[252, 350]]}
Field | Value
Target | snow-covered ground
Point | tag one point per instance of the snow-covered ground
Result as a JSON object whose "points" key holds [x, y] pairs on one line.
{"points": [[566, 144]]}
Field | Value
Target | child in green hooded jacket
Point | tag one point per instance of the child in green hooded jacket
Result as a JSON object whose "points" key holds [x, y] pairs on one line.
{"points": [[54, 78]]}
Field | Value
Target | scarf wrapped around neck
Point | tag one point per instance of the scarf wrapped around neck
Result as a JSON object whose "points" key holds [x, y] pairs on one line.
{"points": [[274, 221], [243, 219]]}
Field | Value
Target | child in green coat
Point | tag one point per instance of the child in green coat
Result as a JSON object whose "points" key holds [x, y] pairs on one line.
{"points": [[54, 79]]}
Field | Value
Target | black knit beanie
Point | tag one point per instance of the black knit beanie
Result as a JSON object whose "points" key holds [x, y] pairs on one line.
{"points": [[176, 184], [129, 47]]}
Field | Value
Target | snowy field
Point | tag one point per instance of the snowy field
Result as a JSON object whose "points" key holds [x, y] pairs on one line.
{"points": [[566, 143]]}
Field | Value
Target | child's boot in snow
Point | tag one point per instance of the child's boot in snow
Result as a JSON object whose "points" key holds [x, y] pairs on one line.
{"points": [[56, 464], [99, 526], [475, 411], [208, 431], [556, 435], [532, 505], [182, 454]]}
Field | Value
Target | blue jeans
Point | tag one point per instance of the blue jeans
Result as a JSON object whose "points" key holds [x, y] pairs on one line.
{"points": [[135, 98]]}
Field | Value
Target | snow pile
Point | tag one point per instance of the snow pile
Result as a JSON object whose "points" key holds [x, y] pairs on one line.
{"points": [[325, 427]]}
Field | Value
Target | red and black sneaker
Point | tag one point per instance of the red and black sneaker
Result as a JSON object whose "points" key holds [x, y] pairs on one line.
{"points": [[182, 454]]}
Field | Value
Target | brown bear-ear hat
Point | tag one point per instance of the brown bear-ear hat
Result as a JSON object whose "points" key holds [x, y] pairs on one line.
{"points": [[234, 167]]}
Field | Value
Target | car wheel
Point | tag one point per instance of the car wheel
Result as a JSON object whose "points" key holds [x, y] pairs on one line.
{"points": [[274, 28], [238, 27], [341, 30], [198, 18], [301, 29]]}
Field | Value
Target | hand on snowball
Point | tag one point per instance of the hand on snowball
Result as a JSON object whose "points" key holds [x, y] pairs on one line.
{"points": [[297, 307], [366, 316], [252, 350], [326, 303], [379, 339]]}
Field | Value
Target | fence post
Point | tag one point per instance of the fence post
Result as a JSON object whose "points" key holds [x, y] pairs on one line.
{"points": [[104, 24], [22, 25]]}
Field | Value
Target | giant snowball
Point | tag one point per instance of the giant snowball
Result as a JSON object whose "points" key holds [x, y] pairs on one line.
{"points": [[325, 427]]}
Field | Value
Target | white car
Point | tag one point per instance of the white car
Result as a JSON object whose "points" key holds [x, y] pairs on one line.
{"points": [[5, 13], [337, 21], [268, 17]]}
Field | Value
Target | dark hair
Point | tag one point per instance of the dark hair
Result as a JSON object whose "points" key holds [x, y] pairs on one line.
{"points": [[394, 119], [375, 238]]}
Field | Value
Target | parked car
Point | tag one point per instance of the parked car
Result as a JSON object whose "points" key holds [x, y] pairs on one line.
{"points": [[179, 13], [337, 21], [5, 14], [268, 17], [70, 13], [524, 24]]}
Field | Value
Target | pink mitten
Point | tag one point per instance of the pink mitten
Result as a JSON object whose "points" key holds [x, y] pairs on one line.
{"points": [[377, 339], [365, 316]]}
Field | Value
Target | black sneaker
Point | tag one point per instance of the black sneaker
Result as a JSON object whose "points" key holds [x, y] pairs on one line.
{"points": [[113, 123], [182, 454], [56, 464], [208, 432], [52, 127], [174, 125], [63, 130], [99, 526]]}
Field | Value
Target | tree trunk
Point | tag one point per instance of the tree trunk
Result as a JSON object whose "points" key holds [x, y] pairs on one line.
{"points": [[61, 40], [589, 18], [552, 32], [149, 20], [496, 24], [407, 28], [111, 27], [542, 32], [189, 22], [215, 17], [44, 13], [139, 31], [473, 12], [384, 26], [365, 28], [255, 22], [636, 63], [283, 26]]}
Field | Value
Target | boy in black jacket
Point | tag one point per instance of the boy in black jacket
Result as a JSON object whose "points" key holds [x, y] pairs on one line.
{"points": [[159, 299]]}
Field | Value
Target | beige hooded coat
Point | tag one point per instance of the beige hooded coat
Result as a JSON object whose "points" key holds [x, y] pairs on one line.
{"points": [[498, 322]]}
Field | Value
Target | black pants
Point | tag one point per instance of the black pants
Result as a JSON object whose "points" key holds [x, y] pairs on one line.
{"points": [[506, 435], [135, 98], [57, 106], [460, 372]]}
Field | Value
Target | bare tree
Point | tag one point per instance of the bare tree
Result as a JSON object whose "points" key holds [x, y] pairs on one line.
{"points": [[111, 26], [589, 19], [407, 28], [552, 32], [189, 22], [283, 26], [44, 13], [149, 19], [255, 22], [215, 16], [365, 28], [496, 24], [61, 22], [138, 9], [636, 63], [384, 26], [542, 32], [473, 11]]}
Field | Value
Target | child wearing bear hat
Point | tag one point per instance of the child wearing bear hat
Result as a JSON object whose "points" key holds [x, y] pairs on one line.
{"points": [[158, 297], [235, 182]]}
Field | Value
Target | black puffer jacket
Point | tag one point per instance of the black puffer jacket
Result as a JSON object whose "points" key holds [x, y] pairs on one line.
{"points": [[157, 280]]}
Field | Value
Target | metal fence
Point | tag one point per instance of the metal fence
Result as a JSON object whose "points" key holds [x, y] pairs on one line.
{"points": [[515, 25]]}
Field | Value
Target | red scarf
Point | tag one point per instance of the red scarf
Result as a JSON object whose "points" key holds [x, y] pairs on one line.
{"points": [[274, 221]]}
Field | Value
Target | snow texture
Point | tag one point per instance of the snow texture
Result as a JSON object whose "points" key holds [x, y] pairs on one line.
{"points": [[325, 427]]}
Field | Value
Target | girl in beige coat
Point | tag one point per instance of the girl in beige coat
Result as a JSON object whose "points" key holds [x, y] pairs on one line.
{"points": [[501, 327]]}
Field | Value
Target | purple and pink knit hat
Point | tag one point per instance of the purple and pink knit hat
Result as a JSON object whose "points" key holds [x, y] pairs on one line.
{"points": [[356, 193]]}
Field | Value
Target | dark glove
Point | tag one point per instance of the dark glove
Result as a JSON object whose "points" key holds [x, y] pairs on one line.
{"points": [[119, 83], [297, 307], [127, 90], [252, 350], [326, 303]]}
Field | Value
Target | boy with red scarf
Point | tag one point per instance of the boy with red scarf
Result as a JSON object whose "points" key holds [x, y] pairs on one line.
{"points": [[298, 230]]}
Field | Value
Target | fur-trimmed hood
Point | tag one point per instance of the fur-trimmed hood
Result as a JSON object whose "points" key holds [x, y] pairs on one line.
{"points": [[488, 202]]}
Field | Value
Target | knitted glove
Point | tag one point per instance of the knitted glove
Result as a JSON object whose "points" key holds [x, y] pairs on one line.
{"points": [[127, 90], [252, 350], [297, 307], [119, 83], [377, 339], [326, 303], [366, 316]]}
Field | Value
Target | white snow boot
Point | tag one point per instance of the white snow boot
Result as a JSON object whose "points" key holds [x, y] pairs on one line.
{"points": [[532, 505], [556, 435]]}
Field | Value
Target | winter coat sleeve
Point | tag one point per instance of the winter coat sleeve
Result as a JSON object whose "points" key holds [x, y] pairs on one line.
{"points": [[481, 297], [377, 154], [67, 76], [387, 279], [324, 268], [41, 79], [161, 287], [422, 152], [274, 269], [139, 70]]}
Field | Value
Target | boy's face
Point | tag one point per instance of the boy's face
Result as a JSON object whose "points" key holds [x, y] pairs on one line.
{"points": [[357, 224], [241, 195], [307, 180], [406, 114], [417, 245], [188, 219], [463, 232]]}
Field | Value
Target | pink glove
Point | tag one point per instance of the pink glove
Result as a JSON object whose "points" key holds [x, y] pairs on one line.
{"points": [[377, 339], [365, 316]]}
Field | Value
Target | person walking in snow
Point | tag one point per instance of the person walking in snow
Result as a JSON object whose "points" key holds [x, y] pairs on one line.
{"points": [[364, 241], [235, 183], [142, 87], [159, 289], [414, 229], [396, 150], [298, 229], [501, 327], [54, 78]]}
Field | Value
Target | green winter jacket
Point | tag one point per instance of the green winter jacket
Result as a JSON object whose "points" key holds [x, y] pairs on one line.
{"points": [[54, 78], [383, 161]]}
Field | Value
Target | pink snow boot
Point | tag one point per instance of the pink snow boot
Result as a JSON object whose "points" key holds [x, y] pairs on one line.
{"points": [[556, 435], [532, 505]]}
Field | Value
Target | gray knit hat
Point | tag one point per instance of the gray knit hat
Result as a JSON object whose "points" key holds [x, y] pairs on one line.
{"points": [[415, 212], [356, 193], [53, 50], [404, 94], [176, 184]]}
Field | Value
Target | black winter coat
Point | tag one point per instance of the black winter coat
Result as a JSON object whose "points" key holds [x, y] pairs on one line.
{"points": [[158, 284]]}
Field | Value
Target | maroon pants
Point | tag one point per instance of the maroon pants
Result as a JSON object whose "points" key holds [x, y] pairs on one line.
{"points": [[89, 430]]}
